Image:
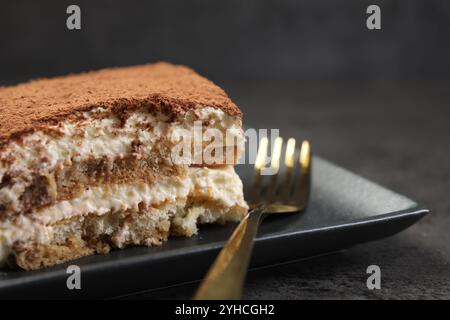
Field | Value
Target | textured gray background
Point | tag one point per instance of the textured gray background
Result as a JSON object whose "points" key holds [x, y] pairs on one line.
{"points": [[377, 103], [234, 39]]}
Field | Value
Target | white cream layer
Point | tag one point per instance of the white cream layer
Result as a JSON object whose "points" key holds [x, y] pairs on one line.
{"points": [[220, 185], [93, 137]]}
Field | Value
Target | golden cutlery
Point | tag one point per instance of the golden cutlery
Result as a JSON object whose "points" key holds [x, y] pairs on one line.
{"points": [[226, 276]]}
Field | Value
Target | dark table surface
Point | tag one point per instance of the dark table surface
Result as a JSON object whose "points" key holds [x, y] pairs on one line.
{"points": [[396, 135]]}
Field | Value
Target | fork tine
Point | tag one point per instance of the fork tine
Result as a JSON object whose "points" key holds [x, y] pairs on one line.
{"points": [[261, 155], [275, 166], [289, 161], [304, 178]]}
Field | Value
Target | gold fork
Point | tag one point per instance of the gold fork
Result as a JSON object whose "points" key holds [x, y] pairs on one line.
{"points": [[226, 276]]}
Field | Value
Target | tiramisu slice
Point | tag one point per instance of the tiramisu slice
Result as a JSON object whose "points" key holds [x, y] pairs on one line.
{"points": [[113, 158]]}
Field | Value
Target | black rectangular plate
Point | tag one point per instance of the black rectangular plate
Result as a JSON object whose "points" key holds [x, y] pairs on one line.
{"points": [[345, 209]]}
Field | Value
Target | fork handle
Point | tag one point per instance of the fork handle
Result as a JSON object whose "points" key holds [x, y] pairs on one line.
{"points": [[225, 278]]}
